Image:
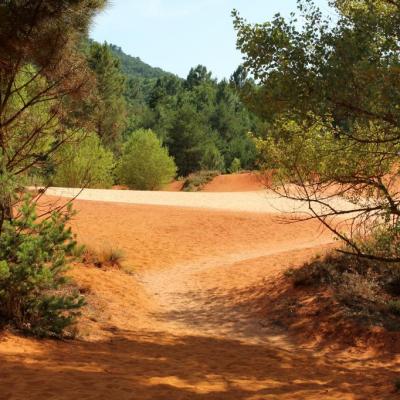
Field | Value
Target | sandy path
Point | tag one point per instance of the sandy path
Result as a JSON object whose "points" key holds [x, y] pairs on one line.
{"points": [[180, 290], [188, 324]]}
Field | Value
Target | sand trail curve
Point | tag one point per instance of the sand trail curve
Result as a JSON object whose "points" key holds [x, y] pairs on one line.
{"points": [[187, 325], [189, 289]]}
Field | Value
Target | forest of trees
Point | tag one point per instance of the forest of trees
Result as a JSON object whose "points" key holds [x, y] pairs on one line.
{"points": [[201, 121], [193, 117]]}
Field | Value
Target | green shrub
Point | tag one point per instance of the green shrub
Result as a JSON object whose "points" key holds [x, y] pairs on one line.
{"points": [[34, 293], [145, 163], [236, 166], [195, 182], [84, 163], [212, 159]]}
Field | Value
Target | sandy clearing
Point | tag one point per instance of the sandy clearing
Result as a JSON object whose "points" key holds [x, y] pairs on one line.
{"points": [[187, 325], [256, 202], [155, 237]]}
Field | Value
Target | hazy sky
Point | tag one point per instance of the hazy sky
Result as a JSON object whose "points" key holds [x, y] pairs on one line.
{"points": [[179, 34]]}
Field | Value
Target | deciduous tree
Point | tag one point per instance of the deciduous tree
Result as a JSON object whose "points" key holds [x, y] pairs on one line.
{"points": [[331, 93]]}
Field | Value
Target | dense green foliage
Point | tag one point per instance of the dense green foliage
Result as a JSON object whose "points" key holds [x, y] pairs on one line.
{"points": [[199, 114], [134, 67], [83, 162], [331, 93], [109, 107], [212, 159], [193, 116], [145, 164], [33, 254]]}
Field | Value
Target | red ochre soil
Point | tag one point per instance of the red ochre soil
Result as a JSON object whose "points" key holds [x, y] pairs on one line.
{"points": [[196, 313], [242, 182], [245, 182]]}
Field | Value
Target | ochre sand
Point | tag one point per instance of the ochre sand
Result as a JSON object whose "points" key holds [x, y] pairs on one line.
{"points": [[241, 182], [188, 323]]}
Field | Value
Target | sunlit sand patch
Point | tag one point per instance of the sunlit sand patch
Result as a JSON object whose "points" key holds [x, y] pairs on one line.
{"points": [[210, 384]]}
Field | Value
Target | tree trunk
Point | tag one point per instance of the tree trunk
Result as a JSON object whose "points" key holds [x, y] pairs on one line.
{"points": [[6, 211]]}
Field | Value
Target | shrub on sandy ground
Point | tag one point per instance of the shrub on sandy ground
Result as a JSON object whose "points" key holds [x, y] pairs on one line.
{"points": [[35, 295], [145, 164], [109, 257], [85, 162], [367, 289], [196, 181]]}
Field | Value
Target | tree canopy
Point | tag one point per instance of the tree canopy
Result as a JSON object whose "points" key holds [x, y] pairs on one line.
{"points": [[44, 83], [109, 107], [331, 93]]}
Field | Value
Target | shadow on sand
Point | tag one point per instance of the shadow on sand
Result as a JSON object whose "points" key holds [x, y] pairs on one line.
{"points": [[157, 367]]}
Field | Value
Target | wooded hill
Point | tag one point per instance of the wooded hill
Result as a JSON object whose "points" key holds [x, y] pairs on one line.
{"points": [[201, 120], [134, 67]]}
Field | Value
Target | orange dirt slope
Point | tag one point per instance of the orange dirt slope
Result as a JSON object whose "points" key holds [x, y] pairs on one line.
{"points": [[187, 323], [240, 182]]}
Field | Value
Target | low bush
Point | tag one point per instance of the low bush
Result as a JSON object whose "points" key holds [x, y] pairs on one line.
{"points": [[366, 288], [196, 181], [145, 164], [35, 295], [357, 290], [320, 271]]}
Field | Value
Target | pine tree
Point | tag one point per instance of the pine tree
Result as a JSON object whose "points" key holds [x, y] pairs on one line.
{"points": [[33, 256], [109, 107], [44, 80]]}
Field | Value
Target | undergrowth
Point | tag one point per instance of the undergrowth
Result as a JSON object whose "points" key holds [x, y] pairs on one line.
{"points": [[368, 290], [196, 181]]}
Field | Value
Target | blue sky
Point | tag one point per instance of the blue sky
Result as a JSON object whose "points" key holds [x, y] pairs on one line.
{"points": [[179, 34]]}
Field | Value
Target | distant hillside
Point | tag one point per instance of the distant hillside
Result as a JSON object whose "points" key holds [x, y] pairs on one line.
{"points": [[134, 67]]}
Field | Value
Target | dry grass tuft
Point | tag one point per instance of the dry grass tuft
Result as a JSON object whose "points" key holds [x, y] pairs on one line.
{"points": [[109, 257]]}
